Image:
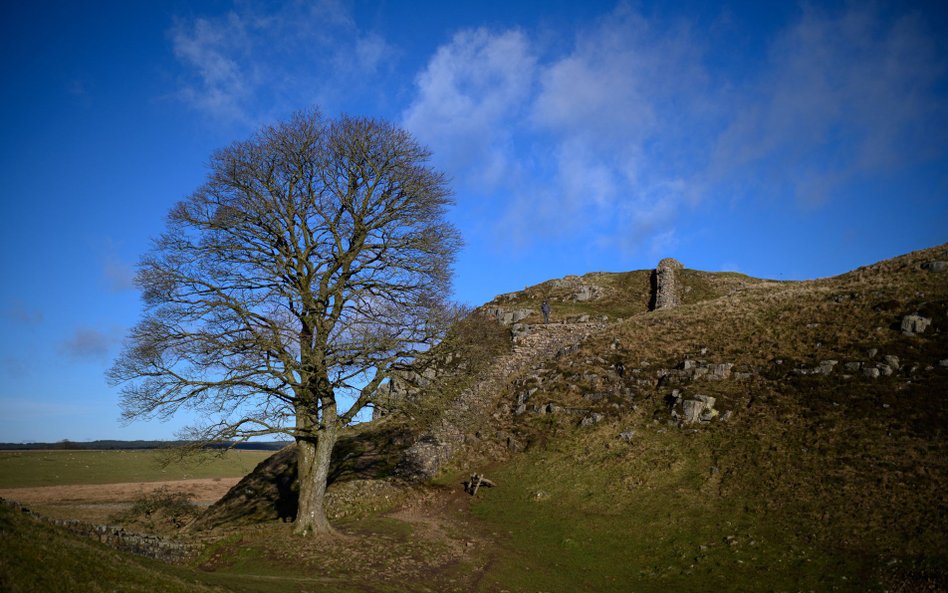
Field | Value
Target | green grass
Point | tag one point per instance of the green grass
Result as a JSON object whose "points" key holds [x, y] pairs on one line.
{"points": [[35, 557], [590, 526], [20, 469]]}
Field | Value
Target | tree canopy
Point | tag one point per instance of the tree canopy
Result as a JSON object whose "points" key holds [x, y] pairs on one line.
{"points": [[314, 259]]}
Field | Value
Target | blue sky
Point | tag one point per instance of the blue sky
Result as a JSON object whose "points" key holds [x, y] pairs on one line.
{"points": [[786, 141]]}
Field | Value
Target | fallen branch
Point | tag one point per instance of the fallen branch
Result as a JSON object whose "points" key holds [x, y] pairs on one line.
{"points": [[476, 481]]}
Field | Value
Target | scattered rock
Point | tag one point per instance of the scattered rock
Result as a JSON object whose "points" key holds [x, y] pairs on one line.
{"points": [[593, 418], [871, 372], [627, 435], [935, 266], [892, 361]]}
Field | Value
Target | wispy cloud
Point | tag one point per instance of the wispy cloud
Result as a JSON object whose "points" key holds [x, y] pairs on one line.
{"points": [[20, 313], [616, 139], [15, 366], [844, 96], [87, 344], [117, 273], [257, 60]]}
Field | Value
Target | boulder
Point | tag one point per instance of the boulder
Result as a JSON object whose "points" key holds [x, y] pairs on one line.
{"points": [[692, 410], [915, 324], [935, 266]]}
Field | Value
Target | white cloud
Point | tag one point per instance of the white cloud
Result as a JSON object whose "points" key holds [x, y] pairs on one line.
{"points": [[616, 137], [580, 143], [469, 97], [255, 61]]}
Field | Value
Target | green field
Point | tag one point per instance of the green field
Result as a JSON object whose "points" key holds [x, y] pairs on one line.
{"points": [[22, 469]]}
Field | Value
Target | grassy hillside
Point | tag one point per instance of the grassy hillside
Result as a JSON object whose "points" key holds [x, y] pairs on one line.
{"points": [[818, 481], [822, 464]]}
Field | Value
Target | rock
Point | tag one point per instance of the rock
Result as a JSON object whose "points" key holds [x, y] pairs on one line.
{"points": [[708, 415], [853, 366], [627, 435], [726, 416], [872, 373], [943, 363], [707, 400], [508, 317], [872, 352], [885, 369], [689, 364], [587, 292], [550, 409], [721, 371], [915, 324], [521, 409], [826, 366], [935, 266], [591, 419], [692, 410], [892, 361]]}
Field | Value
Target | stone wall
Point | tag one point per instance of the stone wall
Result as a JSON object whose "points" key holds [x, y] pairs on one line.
{"points": [[141, 544]]}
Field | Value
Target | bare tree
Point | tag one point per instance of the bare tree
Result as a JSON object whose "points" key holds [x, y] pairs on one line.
{"points": [[314, 258]]}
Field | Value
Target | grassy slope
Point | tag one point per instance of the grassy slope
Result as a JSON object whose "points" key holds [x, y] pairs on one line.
{"points": [[35, 557], [20, 469], [820, 483]]}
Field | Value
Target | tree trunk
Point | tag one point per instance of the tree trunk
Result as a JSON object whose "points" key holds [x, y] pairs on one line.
{"points": [[313, 467]]}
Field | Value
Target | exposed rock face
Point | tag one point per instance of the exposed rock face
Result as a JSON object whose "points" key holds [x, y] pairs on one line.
{"points": [[914, 324], [667, 293], [506, 316]]}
